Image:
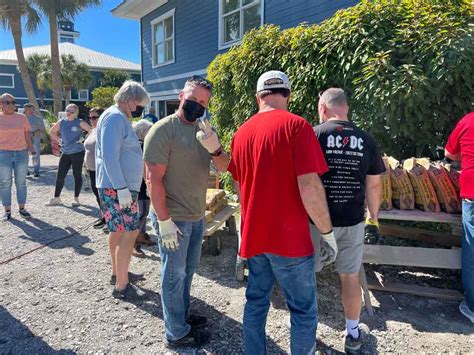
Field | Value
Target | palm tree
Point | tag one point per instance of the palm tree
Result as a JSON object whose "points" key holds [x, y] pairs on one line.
{"points": [[73, 74], [37, 66], [55, 10], [11, 14]]}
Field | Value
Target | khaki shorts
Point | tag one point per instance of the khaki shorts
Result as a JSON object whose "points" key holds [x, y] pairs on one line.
{"points": [[350, 244]]}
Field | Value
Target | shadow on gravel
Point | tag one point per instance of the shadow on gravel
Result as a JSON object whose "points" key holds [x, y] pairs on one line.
{"points": [[225, 332], [41, 232], [16, 338]]}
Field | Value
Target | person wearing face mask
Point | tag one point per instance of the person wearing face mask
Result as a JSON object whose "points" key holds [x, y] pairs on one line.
{"points": [[178, 151], [72, 152], [119, 174]]}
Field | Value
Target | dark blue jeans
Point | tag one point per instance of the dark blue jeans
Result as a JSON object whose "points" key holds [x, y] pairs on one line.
{"points": [[468, 252], [177, 271], [297, 279]]}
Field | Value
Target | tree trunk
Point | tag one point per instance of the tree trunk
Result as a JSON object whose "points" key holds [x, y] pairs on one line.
{"points": [[55, 64], [67, 94], [15, 26]]}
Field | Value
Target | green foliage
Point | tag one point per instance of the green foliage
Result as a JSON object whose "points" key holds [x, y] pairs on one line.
{"points": [[114, 78], [407, 66], [102, 97]]}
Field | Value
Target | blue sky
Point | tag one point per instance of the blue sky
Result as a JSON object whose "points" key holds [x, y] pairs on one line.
{"points": [[99, 31]]}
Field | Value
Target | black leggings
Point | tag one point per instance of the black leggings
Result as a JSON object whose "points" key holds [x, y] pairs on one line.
{"points": [[65, 162], [93, 186]]}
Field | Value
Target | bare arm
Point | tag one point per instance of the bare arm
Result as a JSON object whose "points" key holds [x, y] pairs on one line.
{"points": [[221, 162], [156, 189], [451, 156], [85, 126], [372, 194], [314, 200]]}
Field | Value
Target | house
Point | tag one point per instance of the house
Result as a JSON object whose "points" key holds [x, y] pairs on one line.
{"points": [[98, 63], [180, 38]]}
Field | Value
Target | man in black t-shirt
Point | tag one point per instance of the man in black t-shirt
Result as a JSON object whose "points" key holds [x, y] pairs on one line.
{"points": [[355, 166]]}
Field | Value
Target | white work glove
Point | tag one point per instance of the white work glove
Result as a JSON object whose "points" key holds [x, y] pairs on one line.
{"points": [[124, 197], [169, 234], [207, 137], [328, 250]]}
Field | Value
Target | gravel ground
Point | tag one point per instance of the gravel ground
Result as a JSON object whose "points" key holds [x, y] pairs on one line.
{"points": [[57, 299]]}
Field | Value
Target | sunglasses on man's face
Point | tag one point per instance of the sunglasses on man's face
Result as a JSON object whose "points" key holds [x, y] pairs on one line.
{"points": [[6, 102], [70, 111], [93, 117]]}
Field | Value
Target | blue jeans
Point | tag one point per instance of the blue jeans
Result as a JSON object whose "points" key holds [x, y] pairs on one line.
{"points": [[36, 158], [177, 271], [17, 162], [297, 279], [468, 252]]}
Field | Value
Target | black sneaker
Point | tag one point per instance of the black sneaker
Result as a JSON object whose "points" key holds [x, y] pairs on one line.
{"points": [[7, 216], [196, 321], [36, 175], [194, 338], [99, 224], [352, 345], [25, 214], [131, 292], [131, 278]]}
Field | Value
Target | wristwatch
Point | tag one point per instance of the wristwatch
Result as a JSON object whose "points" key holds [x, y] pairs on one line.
{"points": [[217, 152]]}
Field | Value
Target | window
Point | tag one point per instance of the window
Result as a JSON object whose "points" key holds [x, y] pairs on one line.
{"points": [[83, 95], [7, 81], [237, 17], [163, 39]]}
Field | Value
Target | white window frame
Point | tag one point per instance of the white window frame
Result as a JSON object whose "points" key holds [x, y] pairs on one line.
{"points": [[157, 20], [221, 44], [79, 95], [13, 81]]}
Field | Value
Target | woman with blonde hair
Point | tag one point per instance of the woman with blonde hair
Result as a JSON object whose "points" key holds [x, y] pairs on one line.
{"points": [[72, 152]]}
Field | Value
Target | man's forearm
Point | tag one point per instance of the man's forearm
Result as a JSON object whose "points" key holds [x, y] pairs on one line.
{"points": [[314, 200], [158, 200], [373, 201], [221, 162]]}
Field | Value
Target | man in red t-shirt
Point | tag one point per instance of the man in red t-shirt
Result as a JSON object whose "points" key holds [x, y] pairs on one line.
{"points": [[460, 146], [276, 162]]}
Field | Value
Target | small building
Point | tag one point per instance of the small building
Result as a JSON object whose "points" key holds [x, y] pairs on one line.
{"points": [[179, 38], [98, 63]]}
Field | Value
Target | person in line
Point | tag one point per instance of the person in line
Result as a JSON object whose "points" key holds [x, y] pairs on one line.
{"points": [[14, 145], [355, 166], [37, 132], [177, 156], [276, 162], [119, 174], [89, 159], [72, 152], [460, 147], [150, 116], [141, 128]]}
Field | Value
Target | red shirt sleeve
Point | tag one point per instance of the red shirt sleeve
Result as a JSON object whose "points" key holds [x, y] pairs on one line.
{"points": [[308, 156], [453, 146], [232, 168]]}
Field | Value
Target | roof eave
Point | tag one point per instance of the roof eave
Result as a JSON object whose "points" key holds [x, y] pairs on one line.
{"points": [[136, 9]]}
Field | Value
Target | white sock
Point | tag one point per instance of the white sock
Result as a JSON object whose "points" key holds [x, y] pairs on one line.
{"points": [[352, 328]]}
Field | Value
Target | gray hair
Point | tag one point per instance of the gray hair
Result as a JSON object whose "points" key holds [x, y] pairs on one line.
{"points": [[4, 95], [141, 128], [333, 97], [197, 80], [132, 91]]}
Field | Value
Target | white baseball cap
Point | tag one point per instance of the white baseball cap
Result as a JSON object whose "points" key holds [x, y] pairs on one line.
{"points": [[273, 79]]}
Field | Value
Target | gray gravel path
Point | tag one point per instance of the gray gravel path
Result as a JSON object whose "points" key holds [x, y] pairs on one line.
{"points": [[57, 299]]}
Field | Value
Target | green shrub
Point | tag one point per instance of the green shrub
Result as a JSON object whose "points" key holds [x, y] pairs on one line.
{"points": [[102, 97], [407, 66]]}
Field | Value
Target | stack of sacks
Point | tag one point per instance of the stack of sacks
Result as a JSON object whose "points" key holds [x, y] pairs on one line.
{"points": [[403, 196], [215, 202]]}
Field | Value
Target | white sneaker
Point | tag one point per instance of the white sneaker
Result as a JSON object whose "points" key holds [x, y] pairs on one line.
{"points": [[466, 311], [76, 202], [55, 201]]}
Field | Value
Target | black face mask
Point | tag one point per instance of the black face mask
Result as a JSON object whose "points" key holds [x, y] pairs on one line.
{"points": [[193, 110], [138, 111]]}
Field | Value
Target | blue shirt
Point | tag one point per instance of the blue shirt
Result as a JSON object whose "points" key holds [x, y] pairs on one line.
{"points": [[71, 133], [118, 155], [151, 117]]}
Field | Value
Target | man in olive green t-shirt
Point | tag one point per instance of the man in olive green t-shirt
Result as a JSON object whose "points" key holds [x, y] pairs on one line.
{"points": [[178, 150]]}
